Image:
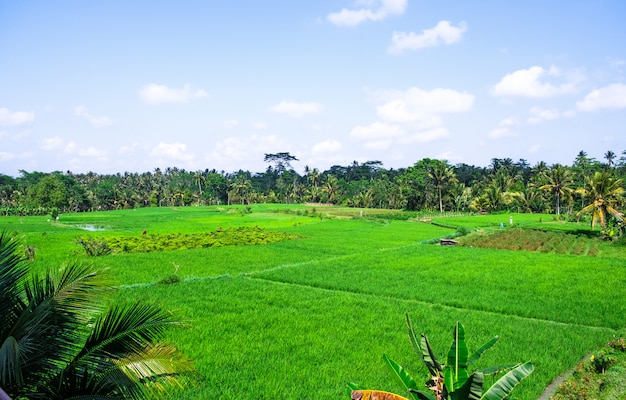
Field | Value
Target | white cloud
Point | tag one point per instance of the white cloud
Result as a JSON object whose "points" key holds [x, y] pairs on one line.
{"points": [[53, 143], [505, 129], [378, 144], [258, 125], [241, 152], [527, 83], [96, 122], [417, 105], [92, 152], [161, 94], [230, 124], [8, 118], [538, 115], [70, 148], [377, 130], [427, 136], [128, 149], [449, 156], [442, 33], [327, 146], [413, 115], [4, 156], [296, 110], [611, 96], [172, 151], [372, 11]]}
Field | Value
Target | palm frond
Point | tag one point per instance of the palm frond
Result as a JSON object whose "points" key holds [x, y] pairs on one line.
{"points": [[124, 330], [10, 370], [12, 273], [53, 324]]}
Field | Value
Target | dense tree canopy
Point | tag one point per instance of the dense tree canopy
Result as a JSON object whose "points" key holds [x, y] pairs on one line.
{"points": [[428, 184]]}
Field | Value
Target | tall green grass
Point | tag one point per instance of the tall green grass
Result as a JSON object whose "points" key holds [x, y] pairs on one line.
{"points": [[301, 318]]}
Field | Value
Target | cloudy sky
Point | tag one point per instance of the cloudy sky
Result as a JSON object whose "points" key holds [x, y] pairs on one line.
{"points": [[114, 86]]}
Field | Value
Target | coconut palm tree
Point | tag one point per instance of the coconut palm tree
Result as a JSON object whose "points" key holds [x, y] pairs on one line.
{"points": [[559, 180], [604, 191], [57, 342], [610, 158], [199, 180], [331, 188], [441, 174]]}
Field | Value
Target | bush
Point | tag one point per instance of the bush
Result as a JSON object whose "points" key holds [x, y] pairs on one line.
{"points": [[94, 247], [602, 361]]}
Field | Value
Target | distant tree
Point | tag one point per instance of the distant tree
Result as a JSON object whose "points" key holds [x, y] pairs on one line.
{"points": [[331, 188], [281, 161], [441, 175], [8, 187], [48, 192], [610, 158], [241, 189], [559, 182], [604, 192]]}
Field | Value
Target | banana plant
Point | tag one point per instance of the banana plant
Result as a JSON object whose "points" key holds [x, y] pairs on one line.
{"points": [[450, 381]]}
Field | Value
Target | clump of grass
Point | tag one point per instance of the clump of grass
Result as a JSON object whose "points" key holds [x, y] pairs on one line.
{"points": [[179, 241], [93, 246], [534, 240], [173, 278], [30, 252]]}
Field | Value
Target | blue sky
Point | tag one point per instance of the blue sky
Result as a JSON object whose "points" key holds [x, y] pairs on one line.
{"points": [[114, 86]]}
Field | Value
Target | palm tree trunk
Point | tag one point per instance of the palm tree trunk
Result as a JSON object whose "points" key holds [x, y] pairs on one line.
{"points": [[440, 200]]}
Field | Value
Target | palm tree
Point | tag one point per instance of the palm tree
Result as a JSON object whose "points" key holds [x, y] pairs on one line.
{"points": [[313, 176], [610, 158], [331, 188], [441, 174], [559, 179], [56, 341], [605, 191], [199, 178]]}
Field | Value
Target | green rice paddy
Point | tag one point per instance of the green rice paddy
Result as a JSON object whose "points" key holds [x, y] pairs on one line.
{"points": [[299, 318]]}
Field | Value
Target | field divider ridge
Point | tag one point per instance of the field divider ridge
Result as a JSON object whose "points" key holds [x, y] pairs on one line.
{"points": [[429, 303]]}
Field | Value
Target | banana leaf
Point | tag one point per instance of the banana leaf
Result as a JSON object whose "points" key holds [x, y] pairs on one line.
{"points": [[503, 387], [405, 380], [422, 348], [455, 372], [478, 353]]}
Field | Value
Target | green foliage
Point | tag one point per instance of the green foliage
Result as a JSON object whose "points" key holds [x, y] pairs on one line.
{"points": [[601, 361], [534, 240], [94, 247], [601, 376], [321, 310], [58, 342], [176, 241], [453, 381]]}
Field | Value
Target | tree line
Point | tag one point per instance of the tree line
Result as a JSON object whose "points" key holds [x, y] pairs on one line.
{"points": [[429, 184]]}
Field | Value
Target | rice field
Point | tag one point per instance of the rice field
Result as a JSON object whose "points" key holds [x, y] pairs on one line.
{"points": [[300, 318]]}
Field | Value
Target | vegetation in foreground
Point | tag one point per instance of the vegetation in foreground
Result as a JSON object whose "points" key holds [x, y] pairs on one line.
{"points": [[58, 343], [601, 376], [453, 380], [262, 318]]}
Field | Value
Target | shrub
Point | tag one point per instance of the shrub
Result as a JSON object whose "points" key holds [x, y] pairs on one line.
{"points": [[452, 381], [601, 361], [94, 247]]}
